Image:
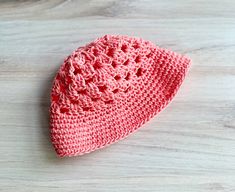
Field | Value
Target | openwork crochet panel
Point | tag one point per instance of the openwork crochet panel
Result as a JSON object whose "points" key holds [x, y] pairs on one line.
{"points": [[107, 89]]}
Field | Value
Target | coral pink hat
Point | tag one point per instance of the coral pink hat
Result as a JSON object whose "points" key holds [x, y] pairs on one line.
{"points": [[109, 88]]}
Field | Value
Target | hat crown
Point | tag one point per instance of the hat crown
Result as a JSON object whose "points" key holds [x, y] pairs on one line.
{"points": [[101, 73]]}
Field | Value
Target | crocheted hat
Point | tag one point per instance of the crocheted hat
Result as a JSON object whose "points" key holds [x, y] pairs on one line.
{"points": [[109, 88]]}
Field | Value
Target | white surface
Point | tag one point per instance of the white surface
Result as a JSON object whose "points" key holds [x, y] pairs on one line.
{"points": [[189, 147]]}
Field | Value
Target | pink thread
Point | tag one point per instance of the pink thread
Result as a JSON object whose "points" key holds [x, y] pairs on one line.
{"points": [[107, 89]]}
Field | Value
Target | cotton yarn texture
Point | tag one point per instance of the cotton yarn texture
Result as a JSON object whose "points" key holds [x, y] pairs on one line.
{"points": [[109, 88]]}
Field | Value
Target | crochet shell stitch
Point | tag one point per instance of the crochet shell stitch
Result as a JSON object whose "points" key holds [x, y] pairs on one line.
{"points": [[109, 88]]}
